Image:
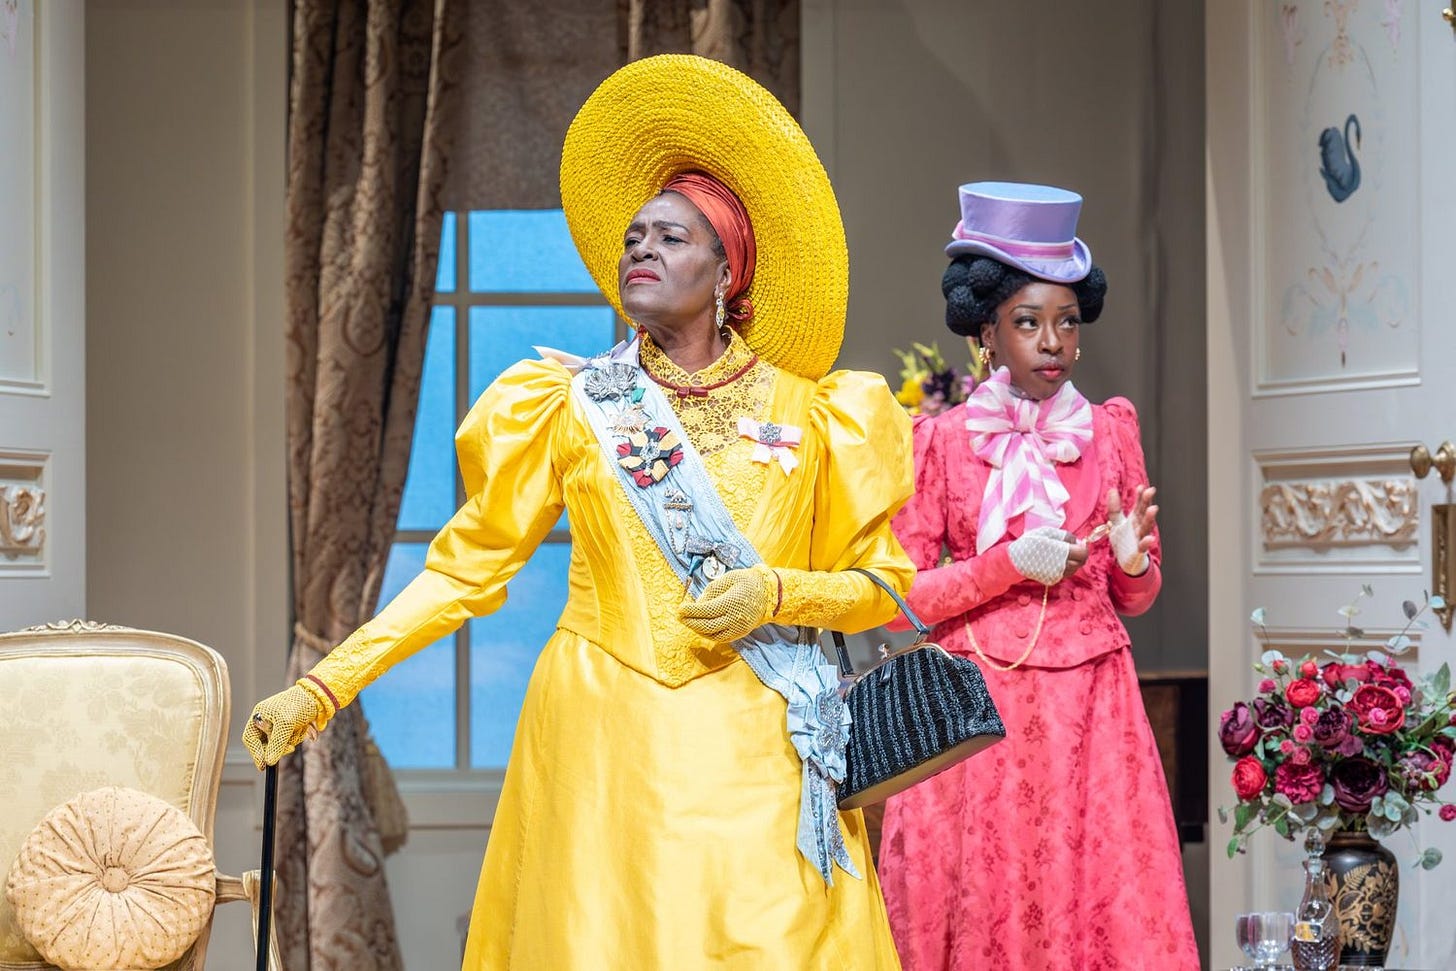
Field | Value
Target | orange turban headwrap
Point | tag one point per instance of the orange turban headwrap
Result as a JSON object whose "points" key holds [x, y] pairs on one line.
{"points": [[725, 213]]}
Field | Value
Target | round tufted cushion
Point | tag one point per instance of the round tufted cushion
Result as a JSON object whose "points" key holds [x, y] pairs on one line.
{"points": [[113, 878]]}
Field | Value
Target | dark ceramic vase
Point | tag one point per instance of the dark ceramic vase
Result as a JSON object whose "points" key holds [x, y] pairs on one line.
{"points": [[1364, 883]]}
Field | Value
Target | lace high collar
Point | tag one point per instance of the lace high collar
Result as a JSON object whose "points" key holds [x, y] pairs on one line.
{"points": [[733, 362]]}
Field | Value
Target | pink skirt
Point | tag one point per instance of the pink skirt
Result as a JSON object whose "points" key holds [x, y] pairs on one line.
{"points": [[1055, 849]]}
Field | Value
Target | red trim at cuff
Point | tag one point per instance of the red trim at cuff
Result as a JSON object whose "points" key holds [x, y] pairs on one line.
{"points": [[325, 689]]}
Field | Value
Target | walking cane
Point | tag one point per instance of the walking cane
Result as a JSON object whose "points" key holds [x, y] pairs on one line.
{"points": [[265, 889], [265, 886]]}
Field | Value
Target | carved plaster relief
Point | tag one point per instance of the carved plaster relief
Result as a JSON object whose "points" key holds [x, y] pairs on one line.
{"points": [[23, 488], [22, 513], [1340, 511], [1325, 510]]}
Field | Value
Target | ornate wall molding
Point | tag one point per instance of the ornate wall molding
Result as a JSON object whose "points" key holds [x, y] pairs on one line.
{"points": [[24, 338], [1337, 293], [1340, 511], [22, 518], [1333, 509], [24, 489], [1298, 641]]}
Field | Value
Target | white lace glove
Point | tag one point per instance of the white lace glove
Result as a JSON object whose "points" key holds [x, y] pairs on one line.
{"points": [[1124, 540], [1041, 554]]}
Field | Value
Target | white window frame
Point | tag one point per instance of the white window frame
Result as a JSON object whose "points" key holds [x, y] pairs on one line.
{"points": [[463, 796]]}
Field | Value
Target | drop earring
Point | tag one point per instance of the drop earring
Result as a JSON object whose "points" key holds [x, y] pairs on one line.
{"points": [[719, 313], [1077, 356]]}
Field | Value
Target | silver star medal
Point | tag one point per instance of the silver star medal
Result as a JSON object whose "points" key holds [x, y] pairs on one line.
{"points": [[613, 380]]}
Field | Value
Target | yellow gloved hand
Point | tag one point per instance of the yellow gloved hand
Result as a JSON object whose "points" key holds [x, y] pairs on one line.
{"points": [[733, 604], [279, 723]]}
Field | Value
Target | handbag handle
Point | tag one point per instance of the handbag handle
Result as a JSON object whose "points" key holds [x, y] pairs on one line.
{"points": [[846, 665]]}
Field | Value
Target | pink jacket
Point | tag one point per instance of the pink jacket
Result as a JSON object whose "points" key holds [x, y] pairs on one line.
{"points": [[986, 591]]}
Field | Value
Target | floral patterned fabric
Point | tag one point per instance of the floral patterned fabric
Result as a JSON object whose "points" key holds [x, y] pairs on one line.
{"points": [[1056, 849]]}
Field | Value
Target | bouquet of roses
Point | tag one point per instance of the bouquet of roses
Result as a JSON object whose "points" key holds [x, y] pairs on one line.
{"points": [[928, 385], [1343, 741]]}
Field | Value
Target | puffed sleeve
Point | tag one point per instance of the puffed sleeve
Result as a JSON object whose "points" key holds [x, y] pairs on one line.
{"points": [[1132, 595], [920, 523], [942, 592], [865, 474], [514, 498]]}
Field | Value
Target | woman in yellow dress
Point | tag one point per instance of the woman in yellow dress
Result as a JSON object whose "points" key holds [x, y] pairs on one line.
{"points": [[669, 801]]}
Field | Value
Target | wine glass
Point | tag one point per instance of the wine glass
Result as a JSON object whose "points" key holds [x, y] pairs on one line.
{"points": [[1244, 936], [1270, 932]]}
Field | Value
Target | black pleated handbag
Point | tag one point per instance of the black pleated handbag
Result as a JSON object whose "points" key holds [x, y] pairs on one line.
{"points": [[917, 711]]}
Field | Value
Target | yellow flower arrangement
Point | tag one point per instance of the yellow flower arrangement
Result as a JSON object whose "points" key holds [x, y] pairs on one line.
{"points": [[928, 385]]}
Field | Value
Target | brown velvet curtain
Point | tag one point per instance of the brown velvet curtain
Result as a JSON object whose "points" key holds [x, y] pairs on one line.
{"points": [[529, 67], [373, 85], [758, 37]]}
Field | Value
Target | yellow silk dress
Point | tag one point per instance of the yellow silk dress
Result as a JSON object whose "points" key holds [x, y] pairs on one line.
{"points": [[651, 802]]}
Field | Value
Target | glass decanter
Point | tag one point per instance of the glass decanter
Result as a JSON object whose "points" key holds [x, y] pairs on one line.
{"points": [[1315, 944]]}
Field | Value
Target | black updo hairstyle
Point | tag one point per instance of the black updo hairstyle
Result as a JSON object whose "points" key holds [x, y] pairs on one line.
{"points": [[975, 285]]}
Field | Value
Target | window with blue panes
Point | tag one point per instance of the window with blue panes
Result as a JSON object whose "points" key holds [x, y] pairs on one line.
{"points": [[508, 280]]}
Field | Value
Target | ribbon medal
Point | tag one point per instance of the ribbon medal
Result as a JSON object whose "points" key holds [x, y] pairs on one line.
{"points": [[648, 455], [772, 442]]}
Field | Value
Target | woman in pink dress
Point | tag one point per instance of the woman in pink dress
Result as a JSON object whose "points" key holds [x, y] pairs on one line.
{"points": [[1056, 849]]}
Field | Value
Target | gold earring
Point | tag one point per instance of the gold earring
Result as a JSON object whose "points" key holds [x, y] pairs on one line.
{"points": [[719, 313], [1077, 356], [984, 356]]}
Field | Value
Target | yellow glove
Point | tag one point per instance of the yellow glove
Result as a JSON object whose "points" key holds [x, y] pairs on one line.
{"points": [[734, 604], [279, 723]]}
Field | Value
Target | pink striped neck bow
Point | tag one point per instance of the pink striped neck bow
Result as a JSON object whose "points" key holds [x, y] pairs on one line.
{"points": [[1020, 438]]}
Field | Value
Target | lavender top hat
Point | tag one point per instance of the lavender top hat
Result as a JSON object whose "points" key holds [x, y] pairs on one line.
{"points": [[1030, 227]]}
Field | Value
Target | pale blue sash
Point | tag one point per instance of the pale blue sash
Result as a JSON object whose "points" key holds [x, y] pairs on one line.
{"points": [[697, 535]]}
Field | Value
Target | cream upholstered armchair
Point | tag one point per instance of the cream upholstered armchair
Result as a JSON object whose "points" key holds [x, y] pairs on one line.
{"points": [[85, 706]]}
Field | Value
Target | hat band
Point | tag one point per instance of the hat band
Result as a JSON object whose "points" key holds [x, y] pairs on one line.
{"points": [[1019, 248]]}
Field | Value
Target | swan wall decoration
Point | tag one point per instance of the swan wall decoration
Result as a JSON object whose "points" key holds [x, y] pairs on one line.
{"points": [[1338, 164]]}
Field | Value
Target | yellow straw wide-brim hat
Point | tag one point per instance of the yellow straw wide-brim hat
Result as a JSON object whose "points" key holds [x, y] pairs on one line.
{"points": [[674, 113]]}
